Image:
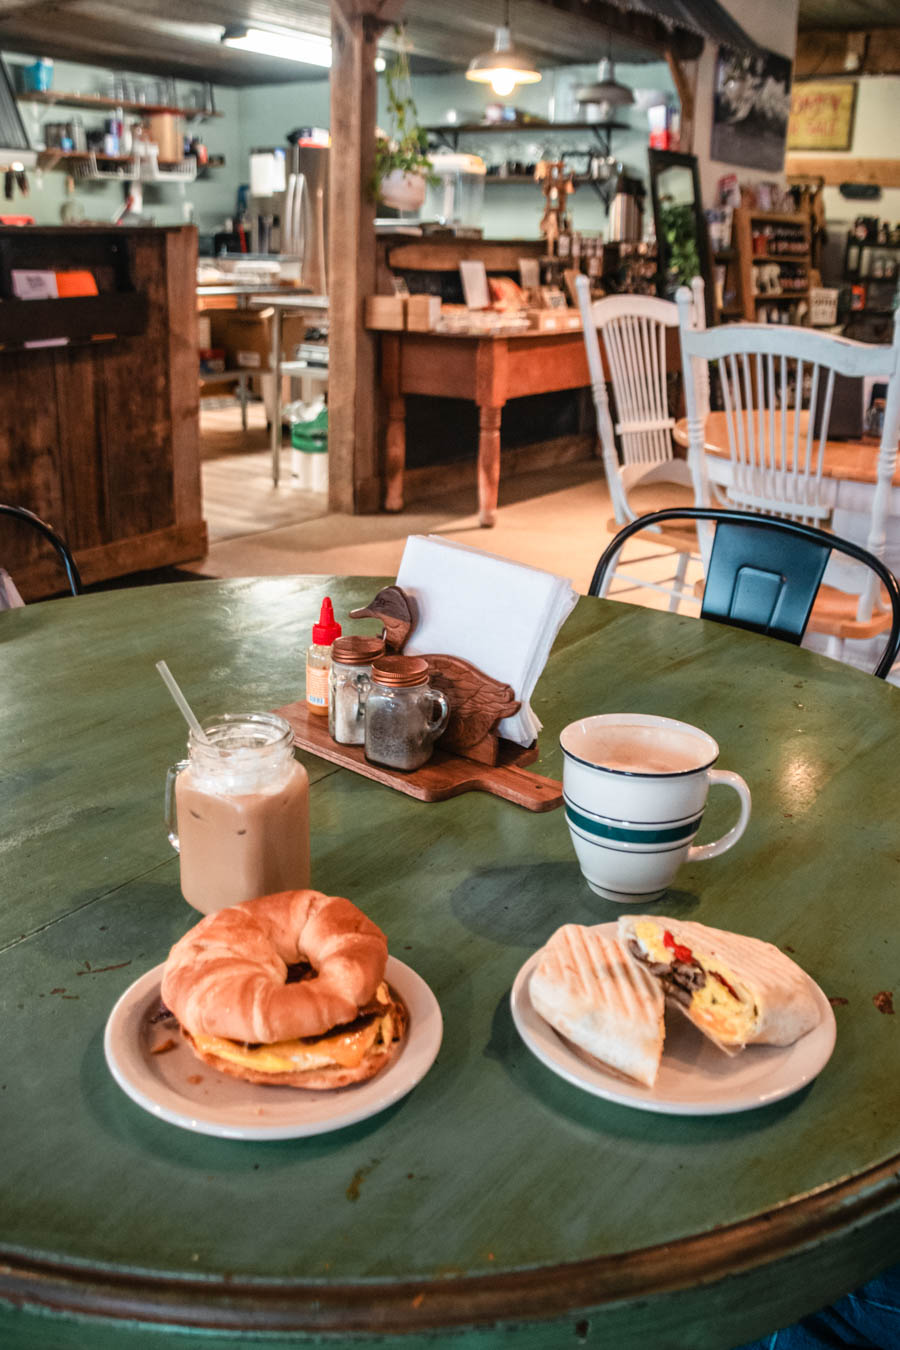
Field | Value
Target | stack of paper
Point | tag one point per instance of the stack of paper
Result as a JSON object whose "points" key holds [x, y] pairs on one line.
{"points": [[501, 616]]}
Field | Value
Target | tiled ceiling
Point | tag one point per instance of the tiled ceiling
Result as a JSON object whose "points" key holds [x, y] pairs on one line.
{"points": [[156, 35]]}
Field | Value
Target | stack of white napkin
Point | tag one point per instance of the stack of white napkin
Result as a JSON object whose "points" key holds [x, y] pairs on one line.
{"points": [[501, 616]]}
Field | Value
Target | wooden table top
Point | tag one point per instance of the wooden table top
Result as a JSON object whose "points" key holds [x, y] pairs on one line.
{"points": [[410, 335], [495, 1196], [855, 461]]}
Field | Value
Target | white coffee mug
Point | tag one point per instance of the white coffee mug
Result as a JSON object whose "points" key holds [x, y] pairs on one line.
{"points": [[634, 789]]}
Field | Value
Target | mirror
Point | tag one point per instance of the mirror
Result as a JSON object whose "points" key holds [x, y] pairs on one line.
{"points": [[680, 221]]}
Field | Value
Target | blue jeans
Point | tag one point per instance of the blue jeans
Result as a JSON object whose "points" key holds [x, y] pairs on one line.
{"points": [[867, 1319]]}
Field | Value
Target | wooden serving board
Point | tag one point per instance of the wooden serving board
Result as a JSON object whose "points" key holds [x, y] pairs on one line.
{"points": [[445, 775]]}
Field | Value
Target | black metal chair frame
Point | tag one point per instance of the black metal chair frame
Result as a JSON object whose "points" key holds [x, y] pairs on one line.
{"points": [[62, 548], [826, 544]]}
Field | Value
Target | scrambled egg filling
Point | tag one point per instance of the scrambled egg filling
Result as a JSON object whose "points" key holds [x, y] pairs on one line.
{"points": [[718, 1007], [346, 1048]]}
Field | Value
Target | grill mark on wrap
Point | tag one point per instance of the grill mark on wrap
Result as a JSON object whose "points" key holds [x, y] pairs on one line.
{"points": [[596, 963]]}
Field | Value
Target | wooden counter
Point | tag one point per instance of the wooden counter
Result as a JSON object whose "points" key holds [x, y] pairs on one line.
{"points": [[101, 438]]}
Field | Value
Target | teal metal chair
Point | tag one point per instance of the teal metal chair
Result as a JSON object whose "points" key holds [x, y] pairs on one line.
{"points": [[62, 549], [764, 572]]}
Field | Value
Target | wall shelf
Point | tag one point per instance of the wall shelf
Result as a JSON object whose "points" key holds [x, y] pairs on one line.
{"points": [[89, 167], [102, 103], [603, 131], [450, 134]]}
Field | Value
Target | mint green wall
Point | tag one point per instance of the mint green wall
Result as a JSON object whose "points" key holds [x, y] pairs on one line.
{"points": [[212, 196], [263, 115], [511, 210]]}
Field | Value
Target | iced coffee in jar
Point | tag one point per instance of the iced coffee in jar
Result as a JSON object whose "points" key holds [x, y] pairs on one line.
{"points": [[237, 812]]}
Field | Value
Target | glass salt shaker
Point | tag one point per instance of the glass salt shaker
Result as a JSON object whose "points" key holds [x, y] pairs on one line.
{"points": [[403, 716], [351, 670]]}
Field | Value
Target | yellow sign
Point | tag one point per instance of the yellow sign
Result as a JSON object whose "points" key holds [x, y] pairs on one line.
{"points": [[821, 117]]}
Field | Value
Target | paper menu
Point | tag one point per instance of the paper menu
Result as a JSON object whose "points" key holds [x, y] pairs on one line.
{"points": [[500, 615]]}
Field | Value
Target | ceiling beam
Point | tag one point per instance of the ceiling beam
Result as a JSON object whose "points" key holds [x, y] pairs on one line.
{"points": [[837, 169], [822, 53]]}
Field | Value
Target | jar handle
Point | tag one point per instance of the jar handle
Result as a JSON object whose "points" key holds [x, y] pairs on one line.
{"points": [[170, 814], [436, 726]]}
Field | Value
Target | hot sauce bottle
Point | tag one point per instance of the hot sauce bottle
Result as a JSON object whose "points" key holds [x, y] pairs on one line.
{"points": [[318, 659]]}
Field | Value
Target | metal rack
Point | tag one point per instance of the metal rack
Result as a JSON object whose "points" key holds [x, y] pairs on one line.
{"points": [[87, 166], [603, 131]]}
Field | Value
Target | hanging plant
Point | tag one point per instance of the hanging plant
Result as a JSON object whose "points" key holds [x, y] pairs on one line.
{"points": [[402, 166]]}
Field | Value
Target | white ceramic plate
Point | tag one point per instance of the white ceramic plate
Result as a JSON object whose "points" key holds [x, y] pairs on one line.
{"points": [[695, 1077], [179, 1088]]}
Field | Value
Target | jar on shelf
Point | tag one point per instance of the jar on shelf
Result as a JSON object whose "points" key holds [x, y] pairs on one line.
{"points": [[348, 683], [403, 715]]}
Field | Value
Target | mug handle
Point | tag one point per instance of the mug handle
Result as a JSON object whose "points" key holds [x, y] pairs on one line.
{"points": [[436, 726], [170, 815], [697, 853]]}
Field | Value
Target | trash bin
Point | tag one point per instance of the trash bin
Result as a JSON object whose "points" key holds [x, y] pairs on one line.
{"points": [[309, 437]]}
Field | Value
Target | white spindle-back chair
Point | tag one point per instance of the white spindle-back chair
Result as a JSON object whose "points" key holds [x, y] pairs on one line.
{"points": [[633, 329], [777, 385]]}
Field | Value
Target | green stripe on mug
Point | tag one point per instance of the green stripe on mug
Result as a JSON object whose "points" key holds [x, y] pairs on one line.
{"points": [[632, 834]]}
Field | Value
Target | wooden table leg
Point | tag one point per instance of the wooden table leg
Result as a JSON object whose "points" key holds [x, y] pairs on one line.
{"points": [[488, 463], [395, 455]]}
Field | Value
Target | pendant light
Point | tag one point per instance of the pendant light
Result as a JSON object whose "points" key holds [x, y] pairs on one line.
{"points": [[505, 66], [607, 90]]}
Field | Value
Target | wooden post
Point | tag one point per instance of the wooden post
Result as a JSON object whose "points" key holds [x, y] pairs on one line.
{"points": [[354, 478], [684, 87]]}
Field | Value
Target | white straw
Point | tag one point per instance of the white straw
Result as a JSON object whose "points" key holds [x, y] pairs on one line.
{"points": [[182, 702]]}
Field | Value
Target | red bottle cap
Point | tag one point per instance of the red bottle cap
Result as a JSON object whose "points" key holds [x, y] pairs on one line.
{"points": [[327, 629]]}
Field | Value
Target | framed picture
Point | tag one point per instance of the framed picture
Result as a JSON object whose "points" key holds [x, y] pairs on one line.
{"points": [[752, 103], [822, 116]]}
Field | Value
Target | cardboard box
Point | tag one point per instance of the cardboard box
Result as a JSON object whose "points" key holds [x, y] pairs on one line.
{"points": [[423, 313], [386, 312], [204, 332], [248, 337], [555, 320]]}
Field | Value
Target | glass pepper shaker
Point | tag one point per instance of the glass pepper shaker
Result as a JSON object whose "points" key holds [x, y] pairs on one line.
{"points": [[403, 716], [351, 670]]}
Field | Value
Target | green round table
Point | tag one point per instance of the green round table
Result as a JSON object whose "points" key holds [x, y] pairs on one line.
{"points": [[496, 1199]]}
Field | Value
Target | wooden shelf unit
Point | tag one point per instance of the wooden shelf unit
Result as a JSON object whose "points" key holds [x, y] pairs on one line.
{"points": [[104, 103], [746, 261]]}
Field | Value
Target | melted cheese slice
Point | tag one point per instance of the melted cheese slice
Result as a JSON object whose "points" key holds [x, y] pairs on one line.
{"points": [[348, 1049]]}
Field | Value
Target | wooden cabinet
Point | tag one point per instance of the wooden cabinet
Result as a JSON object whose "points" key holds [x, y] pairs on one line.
{"points": [[101, 438], [772, 261]]}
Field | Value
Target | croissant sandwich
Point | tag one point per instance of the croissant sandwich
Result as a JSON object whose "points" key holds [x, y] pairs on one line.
{"points": [[737, 990], [287, 989]]}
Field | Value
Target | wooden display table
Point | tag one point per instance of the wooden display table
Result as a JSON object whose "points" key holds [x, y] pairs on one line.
{"points": [[487, 370]]}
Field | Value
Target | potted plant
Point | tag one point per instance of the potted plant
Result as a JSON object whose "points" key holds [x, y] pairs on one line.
{"points": [[402, 166]]}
